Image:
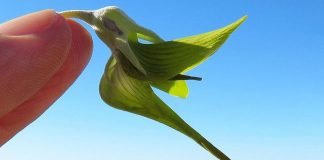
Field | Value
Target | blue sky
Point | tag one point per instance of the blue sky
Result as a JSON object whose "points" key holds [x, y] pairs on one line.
{"points": [[261, 97]]}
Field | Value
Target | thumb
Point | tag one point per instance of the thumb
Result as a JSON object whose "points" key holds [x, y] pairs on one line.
{"points": [[32, 49]]}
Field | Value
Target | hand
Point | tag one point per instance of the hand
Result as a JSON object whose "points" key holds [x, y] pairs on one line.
{"points": [[41, 55]]}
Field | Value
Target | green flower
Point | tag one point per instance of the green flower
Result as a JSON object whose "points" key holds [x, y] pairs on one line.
{"points": [[134, 68]]}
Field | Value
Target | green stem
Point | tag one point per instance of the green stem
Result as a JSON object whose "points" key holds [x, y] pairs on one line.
{"points": [[87, 16]]}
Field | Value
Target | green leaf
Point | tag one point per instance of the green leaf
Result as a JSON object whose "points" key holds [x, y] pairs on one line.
{"points": [[119, 90], [165, 60]]}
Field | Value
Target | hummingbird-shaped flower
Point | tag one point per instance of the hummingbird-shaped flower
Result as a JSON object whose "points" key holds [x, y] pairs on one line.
{"points": [[134, 68]]}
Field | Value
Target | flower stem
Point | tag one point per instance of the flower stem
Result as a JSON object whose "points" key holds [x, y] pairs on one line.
{"points": [[87, 16]]}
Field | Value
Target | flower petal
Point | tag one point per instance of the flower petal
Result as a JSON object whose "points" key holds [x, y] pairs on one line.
{"points": [[176, 88], [119, 90], [124, 47], [165, 60]]}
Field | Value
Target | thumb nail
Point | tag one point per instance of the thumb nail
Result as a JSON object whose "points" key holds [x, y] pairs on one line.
{"points": [[30, 23]]}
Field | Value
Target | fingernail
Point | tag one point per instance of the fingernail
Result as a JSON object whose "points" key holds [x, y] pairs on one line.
{"points": [[31, 23], [52, 20]]}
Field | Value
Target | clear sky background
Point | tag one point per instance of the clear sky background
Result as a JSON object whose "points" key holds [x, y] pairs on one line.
{"points": [[261, 98]]}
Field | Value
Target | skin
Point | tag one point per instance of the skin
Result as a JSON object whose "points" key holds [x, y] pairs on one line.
{"points": [[41, 55]]}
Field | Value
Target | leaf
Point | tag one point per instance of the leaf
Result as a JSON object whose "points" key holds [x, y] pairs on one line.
{"points": [[165, 60]]}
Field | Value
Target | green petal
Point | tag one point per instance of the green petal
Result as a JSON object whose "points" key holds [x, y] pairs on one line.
{"points": [[124, 47], [126, 93], [165, 60], [176, 88], [147, 34]]}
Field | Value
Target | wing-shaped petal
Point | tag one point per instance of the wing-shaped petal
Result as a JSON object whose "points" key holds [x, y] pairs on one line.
{"points": [[125, 49], [176, 88], [165, 60], [126, 93]]}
